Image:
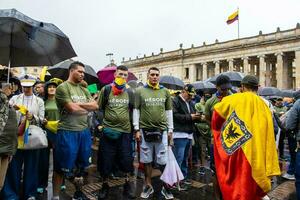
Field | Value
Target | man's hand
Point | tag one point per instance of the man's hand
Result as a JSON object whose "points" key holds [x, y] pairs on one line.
{"points": [[29, 116], [45, 122], [196, 117], [16, 107], [170, 138], [138, 136]]}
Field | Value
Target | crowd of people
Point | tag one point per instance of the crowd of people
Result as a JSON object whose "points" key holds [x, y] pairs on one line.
{"points": [[234, 134]]}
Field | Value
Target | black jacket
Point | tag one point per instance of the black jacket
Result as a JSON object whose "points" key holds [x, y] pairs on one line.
{"points": [[181, 116]]}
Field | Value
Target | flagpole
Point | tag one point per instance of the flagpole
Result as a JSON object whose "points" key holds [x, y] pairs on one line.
{"points": [[238, 23]]}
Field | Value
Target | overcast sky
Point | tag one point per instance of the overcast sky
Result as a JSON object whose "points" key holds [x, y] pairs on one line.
{"points": [[130, 28]]}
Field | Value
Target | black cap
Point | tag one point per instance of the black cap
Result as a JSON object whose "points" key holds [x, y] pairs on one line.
{"points": [[250, 80], [223, 82], [190, 89]]}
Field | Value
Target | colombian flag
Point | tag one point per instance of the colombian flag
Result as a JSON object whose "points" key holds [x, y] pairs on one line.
{"points": [[233, 17], [244, 147]]}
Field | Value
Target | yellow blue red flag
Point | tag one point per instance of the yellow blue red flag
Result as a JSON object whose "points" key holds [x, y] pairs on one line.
{"points": [[233, 17], [244, 147]]}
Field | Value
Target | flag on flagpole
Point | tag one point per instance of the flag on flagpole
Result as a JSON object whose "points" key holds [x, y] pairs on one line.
{"points": [[233, 17]]}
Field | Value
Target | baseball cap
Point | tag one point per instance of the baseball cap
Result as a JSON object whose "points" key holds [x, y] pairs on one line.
{"points": [[250, 80], [223, 82], [190, 89], [27, 81]]}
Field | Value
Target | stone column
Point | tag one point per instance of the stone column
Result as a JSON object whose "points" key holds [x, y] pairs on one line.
{"points": [[268, 74], [297, 65], [230, 65], [247, 68], [279, 70], [262, 70], [192, 69], [204, 72], [217, 67]]}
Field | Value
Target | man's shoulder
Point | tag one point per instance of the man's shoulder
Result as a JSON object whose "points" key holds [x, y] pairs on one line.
{"points": [[212, 100], [62, 86]]}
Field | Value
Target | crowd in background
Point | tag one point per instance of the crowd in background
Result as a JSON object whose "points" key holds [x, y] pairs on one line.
{"points": [[131, 123]]}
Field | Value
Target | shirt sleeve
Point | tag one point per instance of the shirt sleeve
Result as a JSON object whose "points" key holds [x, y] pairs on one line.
{"points": [[101, 98], [207, 110], [168, 101], [137, 99], [62, 96]]}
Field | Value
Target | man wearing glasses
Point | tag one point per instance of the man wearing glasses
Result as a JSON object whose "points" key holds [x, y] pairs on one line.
{"points": [[223, 89], [153, 125]]}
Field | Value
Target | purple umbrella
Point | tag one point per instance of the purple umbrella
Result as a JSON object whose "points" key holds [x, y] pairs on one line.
{"points": [[106, 75]]}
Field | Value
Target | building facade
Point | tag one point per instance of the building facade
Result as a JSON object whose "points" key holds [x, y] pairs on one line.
{"points": [[274, 58]]}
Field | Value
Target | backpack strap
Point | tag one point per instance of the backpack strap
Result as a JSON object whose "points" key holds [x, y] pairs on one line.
{"points": [[107, 90]]}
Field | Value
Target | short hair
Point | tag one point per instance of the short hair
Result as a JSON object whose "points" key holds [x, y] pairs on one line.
{"points": [[153, 68], [250, 87], [122, 67], [75, 64]]}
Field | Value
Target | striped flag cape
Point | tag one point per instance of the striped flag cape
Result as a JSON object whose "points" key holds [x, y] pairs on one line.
{"points": [[233, 17], [244, 146]]}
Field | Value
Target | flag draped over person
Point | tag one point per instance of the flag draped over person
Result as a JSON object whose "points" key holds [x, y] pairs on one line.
{"points": [[244, 148], [233, 17]]}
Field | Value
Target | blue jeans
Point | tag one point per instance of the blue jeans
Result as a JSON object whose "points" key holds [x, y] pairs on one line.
{"points": [[292, 149], [13, 178], [181, 152], [297, 174]]}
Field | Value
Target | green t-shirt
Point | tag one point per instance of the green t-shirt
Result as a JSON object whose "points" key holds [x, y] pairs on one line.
{"points": [[153, 105], [68, 92], [209, 106], [116, 113], [51, 110]]}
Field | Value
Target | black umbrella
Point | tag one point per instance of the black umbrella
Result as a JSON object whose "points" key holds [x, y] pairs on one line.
{"points": [[205, 86], [134, 84], [61, 70], [27, 42], [171, 82], [235, 77], [269, 91]]}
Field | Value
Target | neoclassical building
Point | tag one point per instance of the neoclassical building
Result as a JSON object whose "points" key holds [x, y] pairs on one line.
{"points": [[274, 58]]}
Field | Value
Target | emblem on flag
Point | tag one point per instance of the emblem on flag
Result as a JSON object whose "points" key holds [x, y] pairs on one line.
{"points": [[234, 134]]}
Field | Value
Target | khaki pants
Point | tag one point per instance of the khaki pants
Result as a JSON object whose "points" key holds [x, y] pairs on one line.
{"points": [[3, 169]]}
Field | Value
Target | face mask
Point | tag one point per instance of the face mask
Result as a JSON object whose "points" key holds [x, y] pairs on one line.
{"points": [[120, 81]]}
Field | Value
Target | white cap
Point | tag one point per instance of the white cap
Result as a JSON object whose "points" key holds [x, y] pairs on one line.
{"points": [[27, 81]]}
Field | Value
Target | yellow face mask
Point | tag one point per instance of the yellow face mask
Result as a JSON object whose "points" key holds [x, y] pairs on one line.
{"points": [[120, 81]]}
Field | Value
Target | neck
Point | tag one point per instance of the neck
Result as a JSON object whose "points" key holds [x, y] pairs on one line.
{"points": [[51, 97], [70, 79], [28, 94]]}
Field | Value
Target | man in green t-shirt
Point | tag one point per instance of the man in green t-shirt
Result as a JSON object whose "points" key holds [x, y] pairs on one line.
{"points": [[73, 143], [115, 145], [223, 85], [153, 124]]}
